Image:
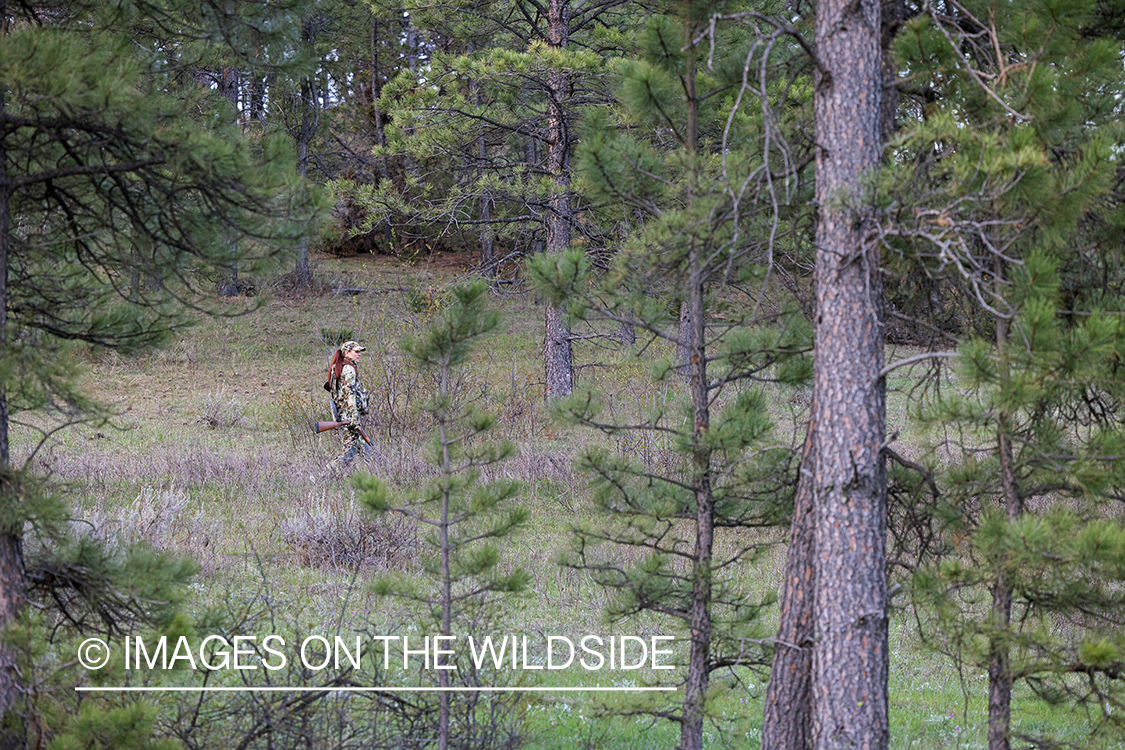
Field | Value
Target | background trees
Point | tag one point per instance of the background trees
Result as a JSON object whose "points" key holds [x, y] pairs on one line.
{"points": [[490, 128], [995, 223]]}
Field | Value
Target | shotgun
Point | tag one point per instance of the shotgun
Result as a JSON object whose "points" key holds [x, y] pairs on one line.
{"points": [[320, 427]]}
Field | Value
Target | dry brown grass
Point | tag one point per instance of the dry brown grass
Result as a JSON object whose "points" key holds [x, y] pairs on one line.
{"points": [[335, 534], [211, 451]]}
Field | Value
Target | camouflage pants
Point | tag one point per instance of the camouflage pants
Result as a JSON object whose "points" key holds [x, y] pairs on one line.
{"points": [[353, 446]]}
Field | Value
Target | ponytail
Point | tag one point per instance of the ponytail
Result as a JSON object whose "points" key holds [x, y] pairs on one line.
{"points": [[335, 369]]}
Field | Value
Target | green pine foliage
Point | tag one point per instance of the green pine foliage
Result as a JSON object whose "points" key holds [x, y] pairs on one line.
{"points": [[465, 520], [469, 123], [130, 726], [124, 189], [122, 204], [1063, 554], [1004, 190], [683, 154]]}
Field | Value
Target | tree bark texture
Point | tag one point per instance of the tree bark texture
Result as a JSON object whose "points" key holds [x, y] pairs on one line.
{"points": [[306, 129], [230, 88], [13, 601], [484, 202], [693, 353], [380, 132], [627, 332], [850, 659], [301, 273], [699, 661], [999, 669], [787, 720], [683, 342], [893, 15], [446, 581], [557, 356], [999, 658]]}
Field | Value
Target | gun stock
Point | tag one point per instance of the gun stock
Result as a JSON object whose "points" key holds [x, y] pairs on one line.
{"points": [[324, 426]]}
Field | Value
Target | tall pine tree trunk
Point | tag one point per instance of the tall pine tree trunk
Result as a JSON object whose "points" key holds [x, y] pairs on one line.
{"points": [[557, 355], [487, 232], [683, 341], [301, 275], [893, 16], [699, 661], [999, 669], [999, 658], [691, 339], [446, 576], [309, 108], [381, 165], [487, 235], [850, 659], [787, 723], [850, 113], [229, 87], [484, 200]]}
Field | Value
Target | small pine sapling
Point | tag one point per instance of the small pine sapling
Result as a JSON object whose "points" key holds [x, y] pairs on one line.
{"points": [[464, 515]]}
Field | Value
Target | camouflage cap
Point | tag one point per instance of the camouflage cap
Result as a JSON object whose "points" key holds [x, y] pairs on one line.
{"points": [[352, 346]]}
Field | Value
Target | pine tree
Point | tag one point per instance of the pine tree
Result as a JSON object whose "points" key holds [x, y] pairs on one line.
{"points": [[325, 97], [464, 517], [1007, 185], [831, 660], [690, 151], [105, 180], [493, 127], [848, 422]]}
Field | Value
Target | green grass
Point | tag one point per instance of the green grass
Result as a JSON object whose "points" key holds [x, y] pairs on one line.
{"points": [[234, 495]]}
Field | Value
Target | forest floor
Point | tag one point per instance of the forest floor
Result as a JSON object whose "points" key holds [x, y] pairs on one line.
{"points": [[209, 455]]}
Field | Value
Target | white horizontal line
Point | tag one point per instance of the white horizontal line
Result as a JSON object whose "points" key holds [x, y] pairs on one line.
{"points": [[277, 689]]}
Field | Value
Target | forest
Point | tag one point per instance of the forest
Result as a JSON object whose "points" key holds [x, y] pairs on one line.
{"points": [[742, 373]]}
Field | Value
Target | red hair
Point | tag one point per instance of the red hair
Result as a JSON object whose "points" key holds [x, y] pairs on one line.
{"points": [[336, 367]]}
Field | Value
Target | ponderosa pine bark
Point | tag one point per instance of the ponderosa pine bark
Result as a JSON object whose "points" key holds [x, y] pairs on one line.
{"points": [[381, 166], [850, 659], [558, 357], [834, 588], [683, 342], [699, 661], [301, 273], [307, 122], [488, 266], [787, 720]]}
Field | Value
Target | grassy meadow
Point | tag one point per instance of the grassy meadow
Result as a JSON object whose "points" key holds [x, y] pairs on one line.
{"points": [[209, 456]]}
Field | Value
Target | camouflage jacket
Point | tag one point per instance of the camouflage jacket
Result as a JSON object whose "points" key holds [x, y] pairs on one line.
{"points": [[349, 395]]}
